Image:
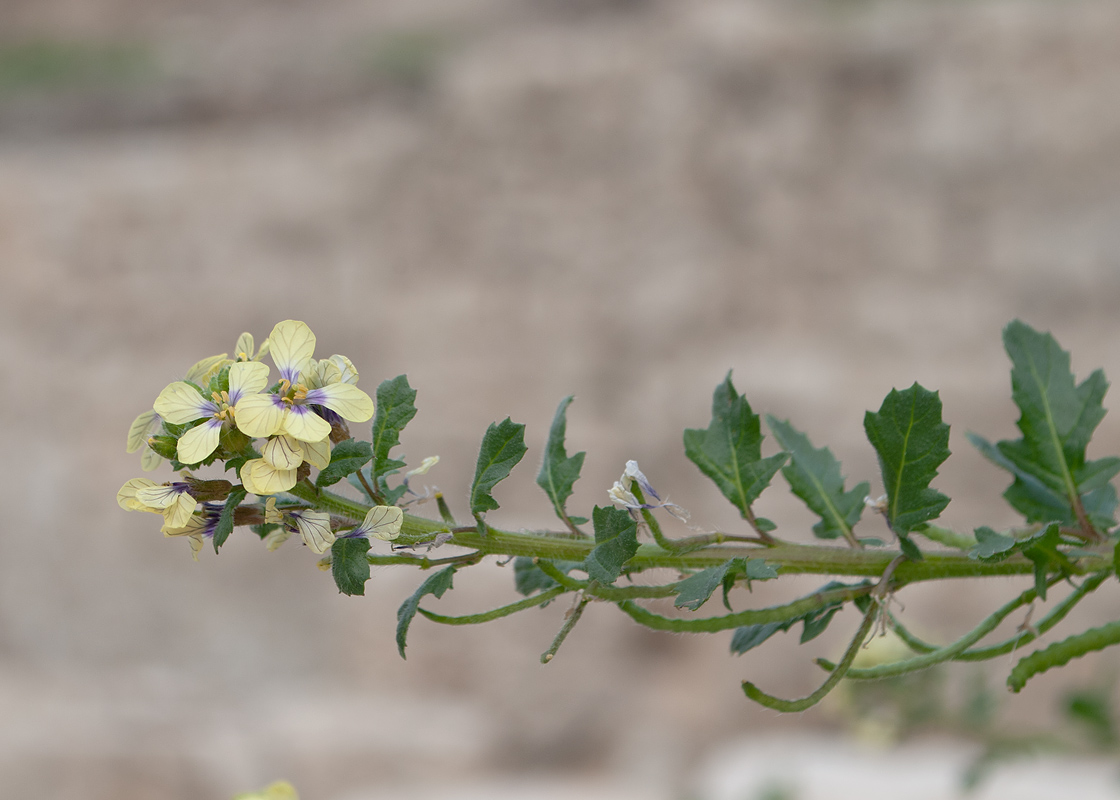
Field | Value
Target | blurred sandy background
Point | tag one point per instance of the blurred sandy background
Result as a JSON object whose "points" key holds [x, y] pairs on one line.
{"points": [[510, 202]]}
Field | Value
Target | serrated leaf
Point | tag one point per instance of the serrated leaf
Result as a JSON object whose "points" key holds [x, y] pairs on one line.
{"points": [[911, 442], [559, 472], [347, 457], [1053, 480], [729, 450], [815, 622], [695, 590], [435, 585], [225, 522], [349, 564], [814, 476], [502, 447], [395, 408], [616, 542], [990, 543], [528, 577]]}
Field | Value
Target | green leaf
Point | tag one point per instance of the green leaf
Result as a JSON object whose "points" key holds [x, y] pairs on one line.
{"points": [[435, 585], [729, 450], [348, 457], [815, 622], [1053, 481], [814, 476], [990, 543], [748, 637], [559, 472], [395, 408], [1042, 549], [911, 442], [528, 577], [225, 521], [502, 447], [616, 542], [695, 590], [349, 564]]}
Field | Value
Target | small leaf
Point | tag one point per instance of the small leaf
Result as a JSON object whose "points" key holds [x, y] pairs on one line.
{"points": [[695, 590], [616, 542], [748, 637], [559, 472], [911, 442], [815, 622], [729, 450], [814, 476], [502, 447], [349, 564], [225, 521], [348, 457], [989, 543], [529, 578], [395, 408], [435, 585]]}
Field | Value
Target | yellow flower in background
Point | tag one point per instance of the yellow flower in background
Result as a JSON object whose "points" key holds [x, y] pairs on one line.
{"points": [[181, 403], [289, 412], [281, 790], [170, 499], [139, 432]]}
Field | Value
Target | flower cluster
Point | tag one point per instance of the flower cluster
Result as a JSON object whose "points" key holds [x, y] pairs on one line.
{"points": [[230, 410]]}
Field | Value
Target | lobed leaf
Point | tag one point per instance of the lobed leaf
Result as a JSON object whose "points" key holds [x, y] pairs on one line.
{"points": [[558, 472], [616, 542], [911, 442], [435, 585], [814, 476], [502, 447], [695, 590], [729, 450], [347, 457], [349, 564], [395, 409]]}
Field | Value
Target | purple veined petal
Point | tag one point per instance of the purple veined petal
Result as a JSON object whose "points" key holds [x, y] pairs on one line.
{"points": [[246, 378], [199, 442], [180, 403], [292, 346], [347, 400], [305, 425], [260, 415], [636, 474], [283, 452]]}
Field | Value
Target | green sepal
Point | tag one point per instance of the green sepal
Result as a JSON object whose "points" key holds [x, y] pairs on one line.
{"points": [[502, 447], [435, 585], [349, 564], [528, 577], [911, 442], [558, 472], [165, 446], [729, 450], [395, 409], [225, 520], [616, 542], [220, 382], [347, 457], [814, 476]]}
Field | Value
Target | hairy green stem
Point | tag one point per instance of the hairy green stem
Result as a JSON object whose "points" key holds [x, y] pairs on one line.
{"points": [[497, 613], [569, 624]]}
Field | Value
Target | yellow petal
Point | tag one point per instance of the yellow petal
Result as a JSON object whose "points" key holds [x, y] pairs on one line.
{"points": [[139, 429], [200, 372], [196, 545], [199, 442], [181, 403], [347, 370], [322, 373], [261, 478], [383, 522], [425, 465], [150, 460], [126, 497], [304, 424], [283, 452], [317, 454], [243, 350], [271, 515], [178, 514], [247, 377], [292, 345], [315, 528], [347, 400], [259, 415]]}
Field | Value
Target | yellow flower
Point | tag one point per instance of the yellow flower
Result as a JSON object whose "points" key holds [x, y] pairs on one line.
{"points": [[281, 458], [292, 410], [181, 403], [170, 499], [199, 526], [313, 526], [281, 790], [138, 434], [381, 522]]}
